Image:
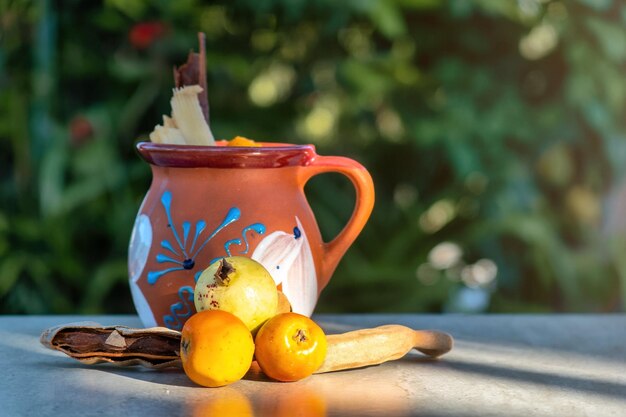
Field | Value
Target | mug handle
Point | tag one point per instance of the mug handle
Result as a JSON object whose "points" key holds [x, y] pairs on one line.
{"points": [[364, 186]]}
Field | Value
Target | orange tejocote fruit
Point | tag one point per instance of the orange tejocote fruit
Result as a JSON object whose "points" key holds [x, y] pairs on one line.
{"points": [[216, 348], [229, 402], [290, 346], [241, 141]]}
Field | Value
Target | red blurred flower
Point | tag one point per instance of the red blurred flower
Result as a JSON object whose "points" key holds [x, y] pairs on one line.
{"points": [[143, 34], [81, 130]]}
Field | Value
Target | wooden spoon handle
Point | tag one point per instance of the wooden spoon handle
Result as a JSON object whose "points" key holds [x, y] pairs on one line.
{"points": [[367, 347]]}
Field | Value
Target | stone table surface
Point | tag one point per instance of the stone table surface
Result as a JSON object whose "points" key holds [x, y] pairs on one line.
{"points": [[513, 365]]}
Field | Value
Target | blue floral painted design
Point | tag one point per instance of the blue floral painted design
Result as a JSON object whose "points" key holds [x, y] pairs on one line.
{"points": [[181, 309], [181, 252], [256, 227], [183, 248]]}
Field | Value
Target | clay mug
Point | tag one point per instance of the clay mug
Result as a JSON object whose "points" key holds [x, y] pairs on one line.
{"points": [[207, 202]]}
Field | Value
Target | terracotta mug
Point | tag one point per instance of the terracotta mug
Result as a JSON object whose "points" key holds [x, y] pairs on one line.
{"points": [[207, 202]]}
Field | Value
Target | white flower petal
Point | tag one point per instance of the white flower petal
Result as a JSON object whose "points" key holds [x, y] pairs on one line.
{"points": [[276, 253], [290, 262], [138, 250], [142, 306], [139, 246], [300, 287]]}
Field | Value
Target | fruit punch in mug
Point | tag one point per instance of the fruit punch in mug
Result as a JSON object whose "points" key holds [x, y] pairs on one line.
{"points": [[208, 202]]}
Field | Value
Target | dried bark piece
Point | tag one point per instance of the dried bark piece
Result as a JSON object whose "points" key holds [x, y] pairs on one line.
{"points": [[193, 72]]}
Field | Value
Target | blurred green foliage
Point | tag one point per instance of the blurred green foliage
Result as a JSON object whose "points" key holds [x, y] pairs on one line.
{"points": [[494, 131]]}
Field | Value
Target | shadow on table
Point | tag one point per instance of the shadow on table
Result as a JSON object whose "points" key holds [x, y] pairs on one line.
{"points": [[544, 378], [601, 336]]}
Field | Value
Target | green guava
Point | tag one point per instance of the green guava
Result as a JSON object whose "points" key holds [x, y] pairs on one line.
{"points": [[241, 286]]}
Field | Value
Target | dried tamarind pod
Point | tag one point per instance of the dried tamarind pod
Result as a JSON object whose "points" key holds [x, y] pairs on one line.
{"points": [[367, 347], [91, 343]]}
